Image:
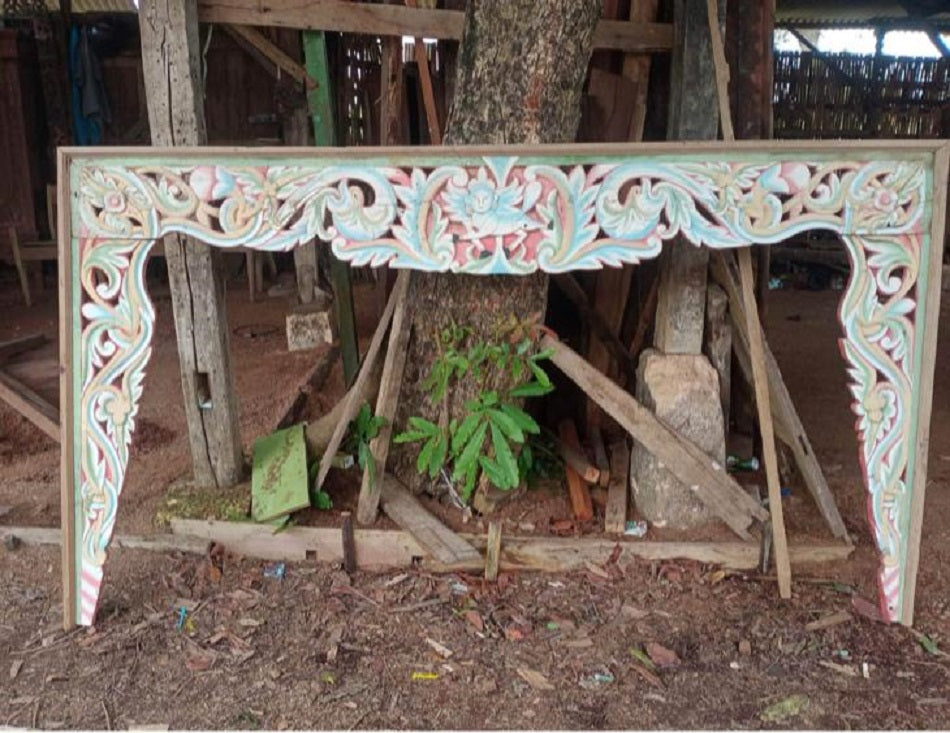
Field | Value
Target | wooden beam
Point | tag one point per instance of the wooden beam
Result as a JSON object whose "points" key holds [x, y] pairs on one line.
{"points": [[320, 105], [394, 366], [352, 404], [15, 347], [382, 549], [272, 52], [29, 404], [171, 57], [394, 20], [687, 462], [492, 551], [434, 537]]}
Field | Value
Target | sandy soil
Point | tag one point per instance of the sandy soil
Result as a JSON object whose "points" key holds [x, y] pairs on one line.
{"points": [[310, 651]]}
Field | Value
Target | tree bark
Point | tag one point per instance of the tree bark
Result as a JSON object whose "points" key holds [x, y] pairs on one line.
{"points": [[521, 70]]}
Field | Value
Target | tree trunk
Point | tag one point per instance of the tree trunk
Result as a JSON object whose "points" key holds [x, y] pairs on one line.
{"points": [[521, 70]]}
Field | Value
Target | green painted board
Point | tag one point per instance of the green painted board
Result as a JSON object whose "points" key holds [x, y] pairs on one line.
{"points": [[279, 475]]}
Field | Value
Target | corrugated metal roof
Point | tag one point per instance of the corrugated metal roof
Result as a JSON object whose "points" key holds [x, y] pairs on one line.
{"points": [[830, 13]]}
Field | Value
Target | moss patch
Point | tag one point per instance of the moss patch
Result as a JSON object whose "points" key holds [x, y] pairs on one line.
{"points": [[185, 500]]}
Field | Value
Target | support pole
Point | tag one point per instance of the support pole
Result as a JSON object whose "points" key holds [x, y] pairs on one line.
{"points": [[320, 104], [171, 62]]}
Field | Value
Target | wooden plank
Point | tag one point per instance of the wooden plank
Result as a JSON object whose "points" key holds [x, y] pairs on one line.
{"points": [[575, 293], [788, 424], [437, 539], [67, 276], [425, 83], [352, 404], [764, 410], [395, 20], [492, 551], [704, 476], [349, 543], [29, 404], [155, 542], [279, 477], [390, 385], [15, 347], [717, 345], [575, 458], [581, 501], [273, 52], [925, 405], [171, 60], [381, 549], [615, 516]]}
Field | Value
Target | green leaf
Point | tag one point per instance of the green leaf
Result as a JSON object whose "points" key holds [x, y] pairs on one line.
{"points": [[524, 346], [507, 425], [506, 459], [469, 488], [437, 460], [531, 389], [522, 418], [464, 432], [493, 471], [470, 452], [928, 644], [489, 398], [410, 436], [540, 374], [422, 462], [544, 354], [323, 501]]}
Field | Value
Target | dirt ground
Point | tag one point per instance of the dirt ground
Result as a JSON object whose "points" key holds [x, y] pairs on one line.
{"points": [[317, 650]]}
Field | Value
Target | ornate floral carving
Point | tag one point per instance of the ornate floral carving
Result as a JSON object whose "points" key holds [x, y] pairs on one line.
{"points": [[504, 215]]}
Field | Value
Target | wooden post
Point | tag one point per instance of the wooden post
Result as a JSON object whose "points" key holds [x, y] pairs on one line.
{"points": [[305, 256], [763, 405], [493, 551], [681, 299], [171, 60], [717, 345], [320, 104]]}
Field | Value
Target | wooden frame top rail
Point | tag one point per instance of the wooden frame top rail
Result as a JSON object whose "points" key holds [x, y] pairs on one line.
{"points": [[504, 210]]}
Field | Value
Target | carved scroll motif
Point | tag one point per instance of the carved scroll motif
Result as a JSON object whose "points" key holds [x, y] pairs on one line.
{"points": [[504, 215]]}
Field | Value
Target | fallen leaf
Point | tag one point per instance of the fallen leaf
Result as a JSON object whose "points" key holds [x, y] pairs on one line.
{"points": [[662, 657], [597, 570], [562, 526], [745, 647], [633, 612], [848, 669], [440, 649], [15, 668], [248, 621], [642, 657], [475, 619], [784, 709], [198, 661], [514, 633], [826, 622], [928, 644], [716, 577], [866, 608], [537, 680], [647, 675], [56, 678]]}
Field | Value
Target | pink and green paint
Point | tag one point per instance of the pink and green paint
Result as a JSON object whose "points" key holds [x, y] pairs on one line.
{"points": [[512, 212]]}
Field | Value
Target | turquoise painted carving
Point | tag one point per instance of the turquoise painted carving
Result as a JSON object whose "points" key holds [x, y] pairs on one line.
{"points": [[508, 212]]}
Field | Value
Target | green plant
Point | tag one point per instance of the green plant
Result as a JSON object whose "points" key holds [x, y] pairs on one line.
{"points": [[490, 439], [362, 429], [318, 497]]}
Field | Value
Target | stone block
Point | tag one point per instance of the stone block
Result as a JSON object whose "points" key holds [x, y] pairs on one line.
{"points": [[683, 391], [308, 330]]}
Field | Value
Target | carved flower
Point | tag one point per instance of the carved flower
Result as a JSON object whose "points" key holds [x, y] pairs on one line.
{"points": [[886, 200], [878, 407], [211, 182], [787, 178], [492, 210], [113, 202]]}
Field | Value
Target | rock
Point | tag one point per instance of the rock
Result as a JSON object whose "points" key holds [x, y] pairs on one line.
{"points": [[745, 647], [683, 391], [308, 330]]}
